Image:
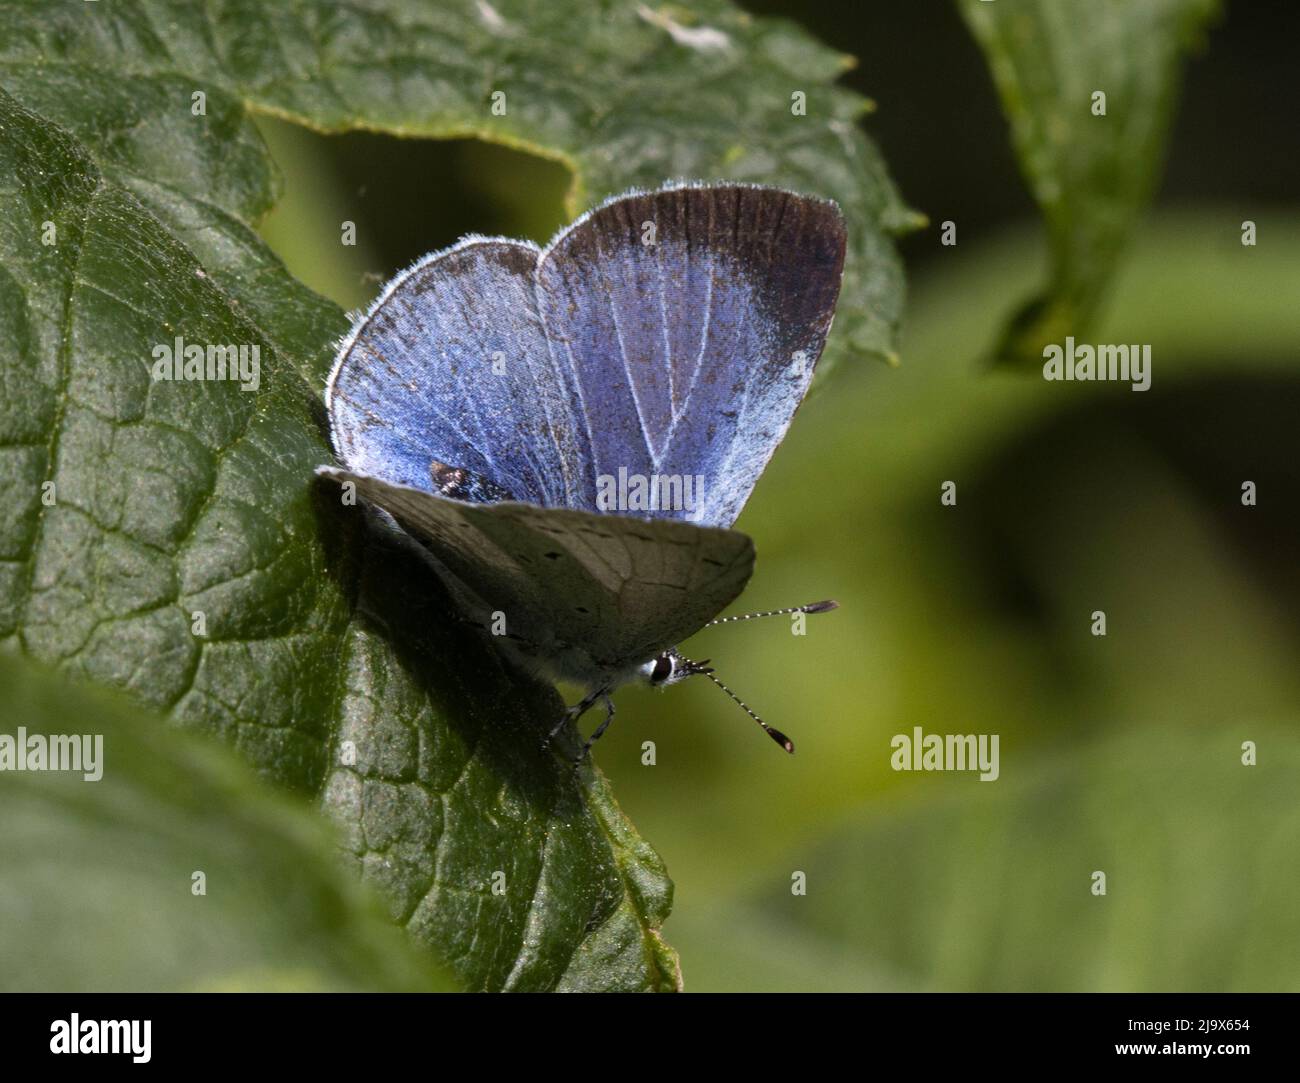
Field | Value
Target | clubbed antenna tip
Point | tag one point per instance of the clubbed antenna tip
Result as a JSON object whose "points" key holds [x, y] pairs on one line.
{"points": [[822, 607], [780, 738]]}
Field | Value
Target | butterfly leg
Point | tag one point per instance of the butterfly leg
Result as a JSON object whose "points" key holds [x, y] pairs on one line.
{"points": [[609, 717], [572, 714]]}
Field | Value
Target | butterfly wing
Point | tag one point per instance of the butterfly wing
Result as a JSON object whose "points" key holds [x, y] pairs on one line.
{"points": [[667, 334], [451, 366], [613, 588], [686, 323]]}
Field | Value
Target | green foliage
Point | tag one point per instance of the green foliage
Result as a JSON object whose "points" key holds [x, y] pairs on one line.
{"points": [[618, 93], [99, 889], [975, 619], [174, 499], [1091, 175], [949, 892]]}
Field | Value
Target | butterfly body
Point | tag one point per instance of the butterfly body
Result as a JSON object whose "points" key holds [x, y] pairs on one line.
{"points": [[498, 398]]}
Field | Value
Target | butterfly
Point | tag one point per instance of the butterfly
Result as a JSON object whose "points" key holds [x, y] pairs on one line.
{"points": [[569, 432]]}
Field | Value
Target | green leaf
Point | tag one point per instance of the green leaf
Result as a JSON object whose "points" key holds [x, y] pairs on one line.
{"points": [[626, 94], [172, 499], [1090, 175], [99, 889], [136, 511], [173, 502]]}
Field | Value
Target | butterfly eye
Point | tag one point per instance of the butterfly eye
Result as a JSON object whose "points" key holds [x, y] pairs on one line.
{"points": [[663, 669]]}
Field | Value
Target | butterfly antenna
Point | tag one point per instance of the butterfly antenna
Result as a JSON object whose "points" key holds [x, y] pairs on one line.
{"points": [[811, 607], [776, 735]]}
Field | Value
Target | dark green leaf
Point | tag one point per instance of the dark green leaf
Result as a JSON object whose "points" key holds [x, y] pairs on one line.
{"points": [[101, 890], [622, 94], [133, 506], [173, 499], [1091, 175]]}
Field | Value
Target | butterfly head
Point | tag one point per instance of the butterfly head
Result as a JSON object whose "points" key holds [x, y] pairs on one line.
{"points": [[669, 667]]}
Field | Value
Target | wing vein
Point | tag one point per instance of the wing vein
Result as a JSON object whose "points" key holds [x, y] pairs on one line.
{"points": [[627, 370]]}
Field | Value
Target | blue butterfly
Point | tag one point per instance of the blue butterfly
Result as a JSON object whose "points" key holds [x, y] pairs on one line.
{"points": [[569, 432]]}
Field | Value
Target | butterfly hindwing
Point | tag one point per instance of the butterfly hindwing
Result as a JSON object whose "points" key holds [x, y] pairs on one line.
{"points": [[618, 589]]}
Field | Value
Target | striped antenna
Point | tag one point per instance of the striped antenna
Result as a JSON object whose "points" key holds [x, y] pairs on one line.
{"points": [[776, 735], [811, 607]]}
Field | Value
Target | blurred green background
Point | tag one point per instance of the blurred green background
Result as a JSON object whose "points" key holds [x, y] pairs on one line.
{"points": [[1121, 753]]}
